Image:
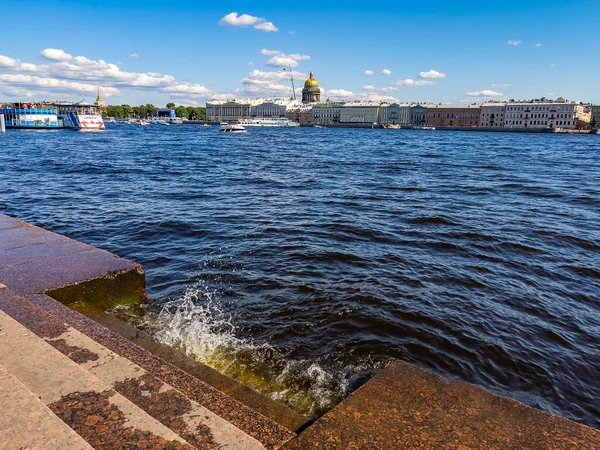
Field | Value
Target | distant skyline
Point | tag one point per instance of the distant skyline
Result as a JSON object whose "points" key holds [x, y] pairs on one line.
{"points": [[190, 52]]}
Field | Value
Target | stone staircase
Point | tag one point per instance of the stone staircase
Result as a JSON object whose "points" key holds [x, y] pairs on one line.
{"points": [[91, 388]]}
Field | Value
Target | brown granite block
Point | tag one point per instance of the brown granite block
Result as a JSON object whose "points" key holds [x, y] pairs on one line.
{"points": [[267, 432], [102, 424], [407, 407], [26, 236], [44, 274], [11, 222], [40, 252]]}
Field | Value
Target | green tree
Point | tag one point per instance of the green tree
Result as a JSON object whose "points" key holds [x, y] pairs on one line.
{"points": [[127, 111], [198, 114], [113, 111], [170, 105], [150, 110], [181, 111]]}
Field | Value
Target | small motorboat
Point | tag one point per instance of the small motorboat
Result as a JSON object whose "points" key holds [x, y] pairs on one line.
{"points": [[232, 128]]}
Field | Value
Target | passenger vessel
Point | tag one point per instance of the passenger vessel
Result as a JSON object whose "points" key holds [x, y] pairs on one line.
{"points": [[77, 116]]}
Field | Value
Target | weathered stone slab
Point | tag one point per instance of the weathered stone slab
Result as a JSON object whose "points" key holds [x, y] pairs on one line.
{"points": [[25, 422], [407, 407], [11, 222], [88, 405], [26, 236], [34, 260]]}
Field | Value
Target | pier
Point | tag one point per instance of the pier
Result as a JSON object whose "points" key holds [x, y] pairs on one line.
{"points": [[91, 381]]}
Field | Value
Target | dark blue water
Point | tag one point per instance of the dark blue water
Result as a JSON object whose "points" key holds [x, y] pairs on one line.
{"points": [[300, 261]]}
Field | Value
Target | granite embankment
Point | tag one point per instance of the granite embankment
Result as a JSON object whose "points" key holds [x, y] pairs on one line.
{"points": [[84, 383]]}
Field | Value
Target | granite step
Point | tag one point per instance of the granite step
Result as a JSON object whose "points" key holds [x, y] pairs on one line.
{"points": [[194, 410], [275, 411], [28, 423], [197, 425], [101, 416]]}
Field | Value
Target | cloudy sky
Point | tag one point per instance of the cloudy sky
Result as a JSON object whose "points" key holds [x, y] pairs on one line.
{"points": [[191, 51]]}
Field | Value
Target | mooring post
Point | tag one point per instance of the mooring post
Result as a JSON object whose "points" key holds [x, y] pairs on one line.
{"points": [[2, 126]]}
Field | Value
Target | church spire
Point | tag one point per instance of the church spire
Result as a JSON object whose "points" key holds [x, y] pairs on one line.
{"points": [[99, 100]]}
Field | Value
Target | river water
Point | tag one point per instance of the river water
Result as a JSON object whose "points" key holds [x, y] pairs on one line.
{"points": [[301, 261]]}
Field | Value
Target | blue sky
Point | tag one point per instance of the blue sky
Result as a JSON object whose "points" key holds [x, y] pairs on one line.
{"points": [[191, 51]]}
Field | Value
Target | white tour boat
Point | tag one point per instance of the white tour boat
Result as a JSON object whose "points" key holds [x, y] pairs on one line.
{"points": [[232, 128], [79, 116]]}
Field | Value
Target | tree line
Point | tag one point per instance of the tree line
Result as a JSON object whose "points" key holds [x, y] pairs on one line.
{"points": [[147, 111]]}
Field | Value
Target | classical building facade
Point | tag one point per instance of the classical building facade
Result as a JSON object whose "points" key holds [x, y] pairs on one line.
{"points": [[229, 110], [492, 114], [545, 115], [311, 93], [453, 115], [269, 109], [327, 113], [394, 114], [360, 112], [418, 115]]}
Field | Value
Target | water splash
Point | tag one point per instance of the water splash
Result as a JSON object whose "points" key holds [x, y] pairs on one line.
{"points": [[198, 325]]}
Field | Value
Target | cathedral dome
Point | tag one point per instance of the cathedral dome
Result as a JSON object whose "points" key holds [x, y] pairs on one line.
{"points": [[311, 82]]}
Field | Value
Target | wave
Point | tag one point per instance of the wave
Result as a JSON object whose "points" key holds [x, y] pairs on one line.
{"points": [[198, 324]]}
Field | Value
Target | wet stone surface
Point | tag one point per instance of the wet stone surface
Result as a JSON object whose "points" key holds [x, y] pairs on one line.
{"points": [[167, 406], [104, 426]]}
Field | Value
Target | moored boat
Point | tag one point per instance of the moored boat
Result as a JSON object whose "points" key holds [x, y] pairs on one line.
{"points": [[231, 128], [30, 116], [82, 116]]}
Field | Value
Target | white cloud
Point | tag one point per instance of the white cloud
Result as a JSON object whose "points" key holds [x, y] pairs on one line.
{"points": [[343, 94], [369, 72], [538, 45], [414, 83], [553, 65], [232, 19], [245, 20], [280, 59], [54, 54], [369, 88], [386, 72], [291, 32], [34, 84], [484, 93], [70, 75], [250, 63], [266, 26], [134, 56], [266, 52], [260, 83], [503, 85], [551, 94], [432, 74], [515, 43]]}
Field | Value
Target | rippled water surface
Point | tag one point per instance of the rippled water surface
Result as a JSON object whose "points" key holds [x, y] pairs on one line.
{"points": [[300, 261]]}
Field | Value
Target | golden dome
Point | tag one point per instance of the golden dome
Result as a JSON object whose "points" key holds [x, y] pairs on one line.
{"points": [[311, 82]]}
